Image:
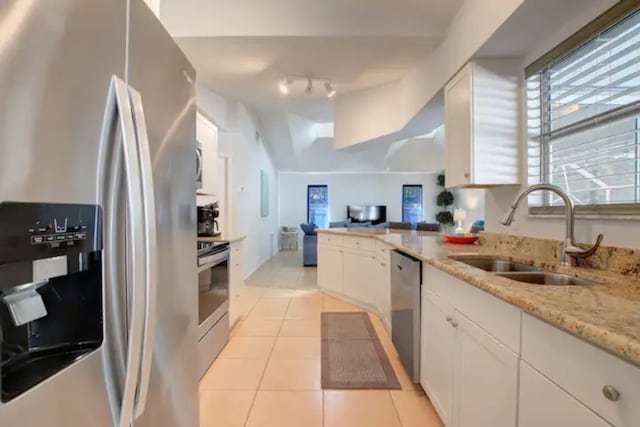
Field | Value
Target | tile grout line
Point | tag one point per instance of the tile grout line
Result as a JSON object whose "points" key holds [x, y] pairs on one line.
{"points": [[255, 396], [393, 402], [322, 413]]}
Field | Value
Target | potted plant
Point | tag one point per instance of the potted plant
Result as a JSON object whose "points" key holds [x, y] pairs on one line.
{"points": [[444, 200]]}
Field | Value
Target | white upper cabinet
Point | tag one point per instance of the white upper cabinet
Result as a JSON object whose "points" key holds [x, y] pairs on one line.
{"points": [[207, 136], [482, 124]]}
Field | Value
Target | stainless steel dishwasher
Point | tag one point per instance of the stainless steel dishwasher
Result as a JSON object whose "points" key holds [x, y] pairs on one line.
{"points": [[406, 278]]}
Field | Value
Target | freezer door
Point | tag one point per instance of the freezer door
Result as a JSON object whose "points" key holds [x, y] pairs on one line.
{"points": [[164, 79], [57, 58]]}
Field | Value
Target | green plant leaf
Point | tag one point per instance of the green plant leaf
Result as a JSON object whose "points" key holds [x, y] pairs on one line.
{"points": [[445, 198], [444, 217]]}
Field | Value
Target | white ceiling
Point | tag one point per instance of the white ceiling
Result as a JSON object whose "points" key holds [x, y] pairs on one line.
{"points": [[214, 18], [300, 149], [247, 69], [242, 49]]}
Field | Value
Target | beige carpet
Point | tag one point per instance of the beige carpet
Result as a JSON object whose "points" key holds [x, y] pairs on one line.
{"points": [[352, 354]]}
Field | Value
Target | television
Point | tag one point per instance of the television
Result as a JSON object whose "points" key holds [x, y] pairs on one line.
{"points": [[367, 213]]}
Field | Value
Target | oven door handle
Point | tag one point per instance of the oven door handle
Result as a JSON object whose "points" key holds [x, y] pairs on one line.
{"points": [[215, 259]]}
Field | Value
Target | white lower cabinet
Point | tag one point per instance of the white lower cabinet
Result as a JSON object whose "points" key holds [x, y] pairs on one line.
{"points": [[383, 281], [236, 280], [486, 378], [358, 269], [481, 371], [470, 376], [606, 384], [330, 268], [359, 280], [542, 403], [437, 350]]}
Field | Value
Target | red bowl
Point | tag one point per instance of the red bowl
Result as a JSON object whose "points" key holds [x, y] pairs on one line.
{"points": [[465, 240]]}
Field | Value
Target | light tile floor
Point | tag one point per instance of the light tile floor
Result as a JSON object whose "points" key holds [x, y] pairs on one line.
{"points": [[285, 271], [269, 372]]}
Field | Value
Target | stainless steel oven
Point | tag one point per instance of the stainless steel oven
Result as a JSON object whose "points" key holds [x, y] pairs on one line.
{"points": [[213, 300]]}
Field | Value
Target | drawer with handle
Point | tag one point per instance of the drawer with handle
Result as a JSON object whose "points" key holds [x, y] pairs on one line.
{"points": [[383, 250], [330, 239], [603, 382], [362, 243]]}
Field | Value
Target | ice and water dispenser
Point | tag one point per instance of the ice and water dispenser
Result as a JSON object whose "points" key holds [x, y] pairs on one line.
{"points": [[50, 290]]}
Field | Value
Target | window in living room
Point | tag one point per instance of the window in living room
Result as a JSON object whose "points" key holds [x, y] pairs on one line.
{"points": [[412, 203], [318, 205]]}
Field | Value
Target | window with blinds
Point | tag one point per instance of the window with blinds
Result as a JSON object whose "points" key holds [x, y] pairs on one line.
{"points": [[584, 121]]}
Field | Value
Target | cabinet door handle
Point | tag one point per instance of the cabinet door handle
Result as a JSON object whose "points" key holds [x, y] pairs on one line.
{"points": [[467, 175], [611, 393], [449, 319], [454, 323]]}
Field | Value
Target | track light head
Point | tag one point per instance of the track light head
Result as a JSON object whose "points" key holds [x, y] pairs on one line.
{"points": [[286, 83], [283, 86], [331, 92]]}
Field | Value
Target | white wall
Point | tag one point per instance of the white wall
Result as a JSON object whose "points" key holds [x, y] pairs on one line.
{"points": [[616, 232], [473, 201], [367, 189], [384, 110], [154, 5], [237, 137]]}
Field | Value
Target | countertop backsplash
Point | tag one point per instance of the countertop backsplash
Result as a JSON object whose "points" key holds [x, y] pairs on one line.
{"points": [[623, 261]]}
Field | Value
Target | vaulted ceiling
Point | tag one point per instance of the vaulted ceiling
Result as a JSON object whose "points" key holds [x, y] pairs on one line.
{"points": [[388, 60], [241, 49], [248, 69]]}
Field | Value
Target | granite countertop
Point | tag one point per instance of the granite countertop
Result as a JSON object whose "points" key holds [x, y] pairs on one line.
{"points": [[607, 315], [230, 239]]}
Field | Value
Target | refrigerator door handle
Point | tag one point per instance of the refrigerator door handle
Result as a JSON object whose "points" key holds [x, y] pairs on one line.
{"points": [[120, 105], [151, 257], [198, 163]]}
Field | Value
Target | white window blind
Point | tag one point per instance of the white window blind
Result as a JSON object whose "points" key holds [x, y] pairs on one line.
{"points": [[584, 123]]}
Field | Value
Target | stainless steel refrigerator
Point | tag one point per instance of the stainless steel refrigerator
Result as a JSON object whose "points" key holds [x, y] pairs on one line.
{"points": [[98, 286]]}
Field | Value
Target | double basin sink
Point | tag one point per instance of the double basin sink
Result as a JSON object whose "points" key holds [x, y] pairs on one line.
{"points": [[520, 272]]}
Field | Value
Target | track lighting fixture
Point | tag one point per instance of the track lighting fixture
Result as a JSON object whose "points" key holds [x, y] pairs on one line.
{"points": [[331, 92], [285, 84]]}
